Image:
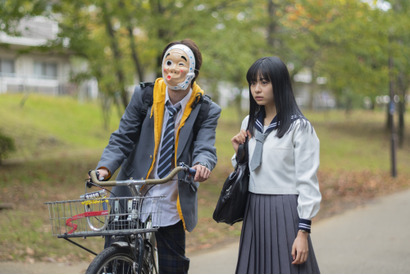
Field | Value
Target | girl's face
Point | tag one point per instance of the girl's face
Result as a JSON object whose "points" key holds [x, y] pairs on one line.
{"points": [[175, 67], [262, 91]]}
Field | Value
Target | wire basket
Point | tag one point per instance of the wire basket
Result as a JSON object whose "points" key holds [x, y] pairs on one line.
{"points": [[104, 216]]}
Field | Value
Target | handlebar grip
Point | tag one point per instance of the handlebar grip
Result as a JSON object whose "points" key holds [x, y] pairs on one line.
{"points": [[191, 171], [94, 176]]}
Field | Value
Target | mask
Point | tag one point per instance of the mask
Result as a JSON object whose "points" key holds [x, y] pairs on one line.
{"points": [[172, 72]]}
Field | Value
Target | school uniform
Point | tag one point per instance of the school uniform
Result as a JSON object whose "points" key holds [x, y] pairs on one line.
{"points": [[284, 196], [136, 146]]}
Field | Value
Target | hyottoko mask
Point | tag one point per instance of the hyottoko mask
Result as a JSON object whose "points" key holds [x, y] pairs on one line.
{"points": [[178, 67]]}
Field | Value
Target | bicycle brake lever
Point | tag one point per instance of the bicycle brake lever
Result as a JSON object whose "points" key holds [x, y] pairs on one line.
{"points": [[90, 182], [190, 170]]}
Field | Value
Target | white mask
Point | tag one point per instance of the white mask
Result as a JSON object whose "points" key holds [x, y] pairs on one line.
{"points": [[191, 67]]}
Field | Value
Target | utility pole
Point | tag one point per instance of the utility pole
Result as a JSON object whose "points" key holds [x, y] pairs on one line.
{"points": [[392, 108]]}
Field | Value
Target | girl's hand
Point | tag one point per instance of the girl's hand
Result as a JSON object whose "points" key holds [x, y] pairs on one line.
{"points": [[239, 139], [300, 250]]}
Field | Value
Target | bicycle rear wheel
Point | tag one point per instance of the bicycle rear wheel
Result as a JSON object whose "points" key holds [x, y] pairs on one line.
{"points": [[115, 260]]}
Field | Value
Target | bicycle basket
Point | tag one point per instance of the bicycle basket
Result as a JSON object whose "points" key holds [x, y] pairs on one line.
{"points": [[104, 216]]}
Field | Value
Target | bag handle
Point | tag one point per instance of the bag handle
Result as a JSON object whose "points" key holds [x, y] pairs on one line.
{"points": [[242, 154]]}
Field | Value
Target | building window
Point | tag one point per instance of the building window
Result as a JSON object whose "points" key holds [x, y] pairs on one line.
{"points": [[45, 70], [6, 67]]}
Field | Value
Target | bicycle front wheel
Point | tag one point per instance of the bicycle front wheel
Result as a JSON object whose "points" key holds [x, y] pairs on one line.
{"points": [[115, 260]]}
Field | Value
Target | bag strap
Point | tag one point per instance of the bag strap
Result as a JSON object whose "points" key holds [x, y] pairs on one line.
{"points": [[205, 102], [147, 97], [242, 154]]}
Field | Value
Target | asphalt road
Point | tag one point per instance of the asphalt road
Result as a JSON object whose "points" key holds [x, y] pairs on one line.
{"points": [[374, 239]]}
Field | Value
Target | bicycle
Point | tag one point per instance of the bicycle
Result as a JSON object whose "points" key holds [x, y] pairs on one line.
{"points": [[131, 221]]}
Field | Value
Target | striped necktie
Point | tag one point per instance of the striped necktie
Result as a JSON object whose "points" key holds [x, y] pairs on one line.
{"points": [[168, 143]]}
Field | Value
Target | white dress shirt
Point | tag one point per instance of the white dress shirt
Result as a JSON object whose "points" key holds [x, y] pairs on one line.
{"points": [[168, 207]]}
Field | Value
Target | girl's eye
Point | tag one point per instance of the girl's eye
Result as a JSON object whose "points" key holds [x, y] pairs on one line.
{"points": [[181, 64], [169, 63]]}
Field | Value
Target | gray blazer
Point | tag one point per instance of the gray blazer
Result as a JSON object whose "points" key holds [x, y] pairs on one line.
{"points": [[131, 146]]}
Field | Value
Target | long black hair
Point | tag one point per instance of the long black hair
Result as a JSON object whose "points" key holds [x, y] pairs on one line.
{"points": [[274, 70]]}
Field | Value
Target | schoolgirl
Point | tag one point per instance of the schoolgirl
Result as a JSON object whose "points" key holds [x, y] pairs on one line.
{"points": [[283, 188]]}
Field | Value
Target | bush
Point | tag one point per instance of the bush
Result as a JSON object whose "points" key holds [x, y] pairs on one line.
{"points": [[6, 146]]}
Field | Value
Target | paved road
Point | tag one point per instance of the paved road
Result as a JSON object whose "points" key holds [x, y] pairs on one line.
{"points": [[371, 239]]}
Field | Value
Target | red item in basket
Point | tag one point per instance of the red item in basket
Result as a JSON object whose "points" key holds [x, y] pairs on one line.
{"points": [[69, 223]]}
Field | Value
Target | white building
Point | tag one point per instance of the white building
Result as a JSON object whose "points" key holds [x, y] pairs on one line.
{"points": [[37, 71]]}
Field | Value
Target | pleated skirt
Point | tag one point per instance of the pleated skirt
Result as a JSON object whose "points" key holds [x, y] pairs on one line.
{"points": [[269, 229]]}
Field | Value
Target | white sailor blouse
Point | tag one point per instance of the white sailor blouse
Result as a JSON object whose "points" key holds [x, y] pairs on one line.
{"points": [[289, 166]]}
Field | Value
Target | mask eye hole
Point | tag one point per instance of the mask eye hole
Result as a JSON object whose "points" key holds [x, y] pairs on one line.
{"points": [[169, 62]]}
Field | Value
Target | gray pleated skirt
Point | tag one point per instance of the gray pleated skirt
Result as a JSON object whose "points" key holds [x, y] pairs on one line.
{"points": [[269, 228]]}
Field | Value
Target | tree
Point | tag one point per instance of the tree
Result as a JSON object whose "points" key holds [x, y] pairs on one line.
{"points": [[11, 12], [346, 41], [399, 38]]}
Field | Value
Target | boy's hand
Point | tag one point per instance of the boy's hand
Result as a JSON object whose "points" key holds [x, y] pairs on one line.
{"points": [[202, 172]]}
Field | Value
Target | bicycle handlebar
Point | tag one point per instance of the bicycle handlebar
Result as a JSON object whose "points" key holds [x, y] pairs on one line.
{"points": [[170, 176]]}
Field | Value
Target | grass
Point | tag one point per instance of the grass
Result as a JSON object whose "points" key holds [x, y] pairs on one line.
{"points": [[59, 139], [44, 126]]}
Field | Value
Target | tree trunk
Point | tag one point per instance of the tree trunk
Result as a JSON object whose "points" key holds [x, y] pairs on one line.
{"points": [[393, 139], [134, 55], [271, 23], [401, 108], [117, 54], [105, 100], [400, 130], [162, 33]]}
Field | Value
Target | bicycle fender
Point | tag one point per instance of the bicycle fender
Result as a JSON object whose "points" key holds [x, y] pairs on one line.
{"points": [[121, 244]]}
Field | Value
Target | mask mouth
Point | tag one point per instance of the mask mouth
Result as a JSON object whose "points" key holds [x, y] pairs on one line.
{"points": [[183, 85]]}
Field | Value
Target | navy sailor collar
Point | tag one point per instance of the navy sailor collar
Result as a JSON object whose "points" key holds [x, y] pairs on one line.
{"points": [[274, 124], [259, 123]]}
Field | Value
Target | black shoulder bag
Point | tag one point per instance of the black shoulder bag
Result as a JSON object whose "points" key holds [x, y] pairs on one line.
{"points": [[230, 207]]}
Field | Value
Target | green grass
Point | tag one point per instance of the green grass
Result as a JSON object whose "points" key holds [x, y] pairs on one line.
{"points": [[47, 125], [357, 142], [59, 139]]}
